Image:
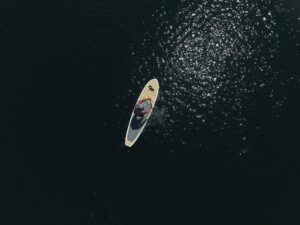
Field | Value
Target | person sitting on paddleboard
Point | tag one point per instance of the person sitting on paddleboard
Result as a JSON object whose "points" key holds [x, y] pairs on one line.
{"points": [[143, 107]]}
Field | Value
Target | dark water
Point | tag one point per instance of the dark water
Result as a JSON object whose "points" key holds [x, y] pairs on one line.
{"points": [[222, 148]]}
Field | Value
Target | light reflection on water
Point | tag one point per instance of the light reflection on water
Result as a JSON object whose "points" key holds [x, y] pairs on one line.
{"points": [[211, 59]]}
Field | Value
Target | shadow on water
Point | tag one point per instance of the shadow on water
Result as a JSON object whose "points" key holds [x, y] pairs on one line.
{"points": [[157, 116]]}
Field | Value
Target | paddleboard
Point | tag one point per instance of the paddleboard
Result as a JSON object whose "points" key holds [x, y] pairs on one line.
{"points": [[137, 124]]}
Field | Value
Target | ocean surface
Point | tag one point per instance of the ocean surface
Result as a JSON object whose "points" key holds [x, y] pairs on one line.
{"points": [[222, 146]]}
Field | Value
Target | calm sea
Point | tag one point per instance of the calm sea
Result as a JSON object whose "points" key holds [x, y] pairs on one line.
{"points": [[221, 148]]}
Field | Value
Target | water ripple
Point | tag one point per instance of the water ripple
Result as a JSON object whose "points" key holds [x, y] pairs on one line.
{"points": [[211, 59]]}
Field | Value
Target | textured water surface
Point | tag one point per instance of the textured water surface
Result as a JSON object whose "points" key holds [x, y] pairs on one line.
{"points": [[217, 63], [221, 146]]}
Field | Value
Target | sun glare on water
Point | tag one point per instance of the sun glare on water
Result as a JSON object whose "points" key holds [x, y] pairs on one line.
{"points": [[211, 59]]}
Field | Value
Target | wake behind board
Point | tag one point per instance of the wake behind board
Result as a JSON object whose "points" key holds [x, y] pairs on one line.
{"points": [[136, 123]]}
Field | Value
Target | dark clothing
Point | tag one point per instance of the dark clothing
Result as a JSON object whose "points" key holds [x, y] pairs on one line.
{"points": [[138, 112], [142, 108]]}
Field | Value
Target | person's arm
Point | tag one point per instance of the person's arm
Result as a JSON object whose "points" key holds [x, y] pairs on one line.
{"points": [[138, 103], [146, 111]]}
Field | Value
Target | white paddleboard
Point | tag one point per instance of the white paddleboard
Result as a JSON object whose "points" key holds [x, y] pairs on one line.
{"points": [[137, 124]]}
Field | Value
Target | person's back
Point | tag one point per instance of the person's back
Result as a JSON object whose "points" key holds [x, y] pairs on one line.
{"points": [[143, 107]]}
